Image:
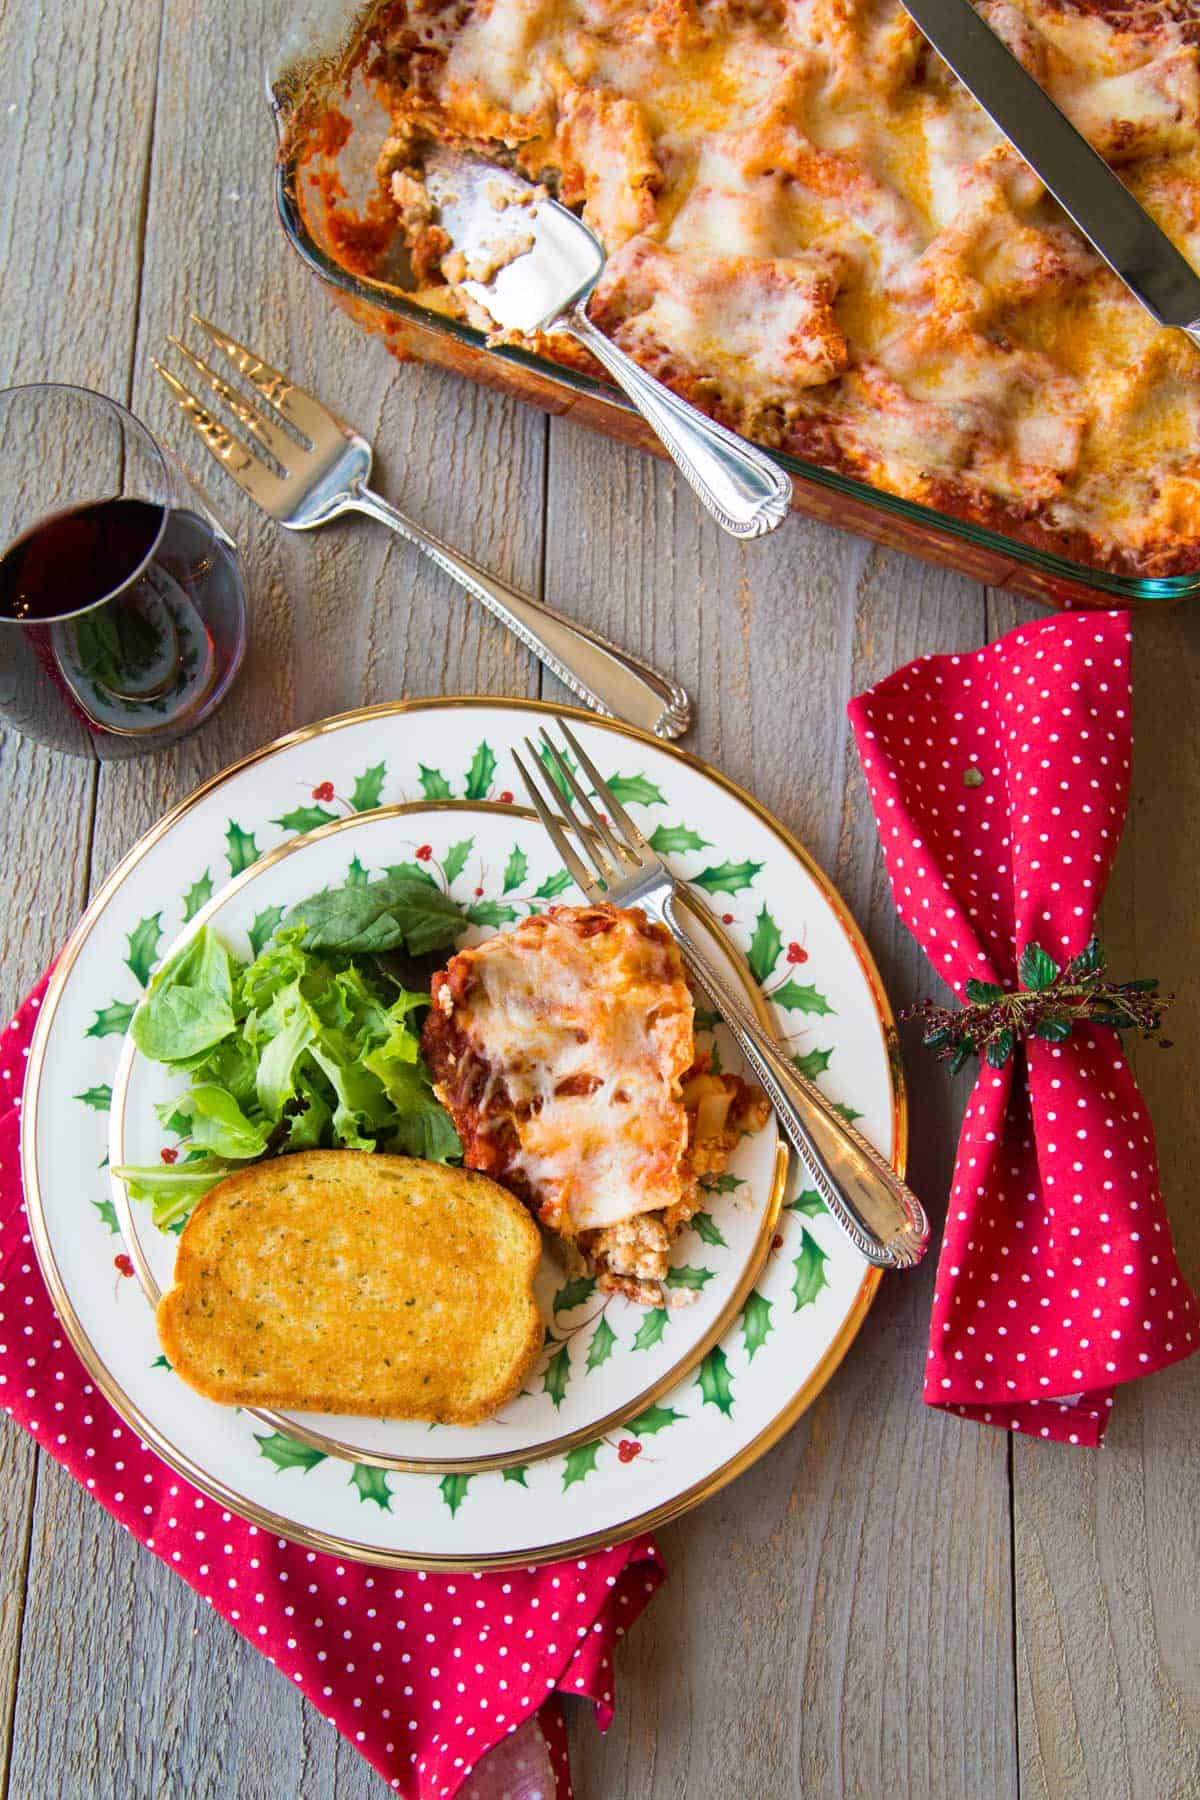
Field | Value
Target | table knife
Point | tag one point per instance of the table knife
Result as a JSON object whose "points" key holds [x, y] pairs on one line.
{"points": [[1115, 224]]}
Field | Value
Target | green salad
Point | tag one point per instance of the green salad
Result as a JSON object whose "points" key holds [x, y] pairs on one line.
{"points": [[314, 1044]]}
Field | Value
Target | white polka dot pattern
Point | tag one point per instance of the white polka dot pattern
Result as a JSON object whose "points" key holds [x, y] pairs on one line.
{"points": [[422, 1673], [1000, 783]]}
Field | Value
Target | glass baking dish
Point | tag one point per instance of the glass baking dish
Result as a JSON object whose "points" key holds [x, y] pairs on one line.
{"points": [[324, 176]]}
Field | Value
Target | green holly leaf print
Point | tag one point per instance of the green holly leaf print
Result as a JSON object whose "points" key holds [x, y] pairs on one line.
{"points": [[557, 1375], [580, 1463], [413, 870], [454, 1490], [650, 1331], [756, 1324], [143, 943], [455, 859], [480, 773], [765, 946], [715, 1381], [703, 1225], [305, 818], [160, 1362], [636, 788], [809, 1202], [653, 1420], [601, 1346], [801, 997], [108, 1213], [722, 1184], [112, 1021], [727, 877], [517, 1474], [574, 1292], [515, 869], [813, 1062], [372, 1483], [705, 1020], [674, 840], [287, 1452], [434, 785], [240, 848], [687, 1277], [553, 886], [368, 788], [810, 1271], [263, 927], [356, 875], [551, 769], [491, 912], [849, 1113], [98, 1098], [198, 895]]}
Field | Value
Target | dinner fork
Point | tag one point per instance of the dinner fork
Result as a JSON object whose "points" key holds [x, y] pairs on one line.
{"points": [[882, 1217], [307, 479]]}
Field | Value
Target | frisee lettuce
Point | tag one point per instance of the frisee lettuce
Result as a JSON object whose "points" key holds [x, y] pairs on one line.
{"points": [[311, 1045]]}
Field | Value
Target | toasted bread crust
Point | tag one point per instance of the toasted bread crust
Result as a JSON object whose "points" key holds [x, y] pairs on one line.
{"points": [[340, 1281]]}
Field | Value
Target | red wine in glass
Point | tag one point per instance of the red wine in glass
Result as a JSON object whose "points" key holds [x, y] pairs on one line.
{"points": [[122, 618]]}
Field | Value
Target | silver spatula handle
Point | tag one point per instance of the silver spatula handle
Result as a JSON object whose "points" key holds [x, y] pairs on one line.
{"points": [[882, 1217], [742, 488]]}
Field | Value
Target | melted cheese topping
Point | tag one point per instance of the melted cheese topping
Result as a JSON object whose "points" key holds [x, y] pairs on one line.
{"points": [[814, 230], [574, 1033]]}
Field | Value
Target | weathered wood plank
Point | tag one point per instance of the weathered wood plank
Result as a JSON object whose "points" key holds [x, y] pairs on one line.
{"points": [[1107, 1544], [838, 1621]]}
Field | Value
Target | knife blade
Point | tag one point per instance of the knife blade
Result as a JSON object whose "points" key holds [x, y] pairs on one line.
{"points": [[1115, 224]]}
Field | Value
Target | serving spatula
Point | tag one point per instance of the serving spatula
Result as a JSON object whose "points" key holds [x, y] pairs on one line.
{"points": [[531, 264]]}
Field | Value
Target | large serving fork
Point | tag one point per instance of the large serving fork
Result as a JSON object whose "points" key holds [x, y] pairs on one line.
{"points": [[881, 1216], [309, 475]]}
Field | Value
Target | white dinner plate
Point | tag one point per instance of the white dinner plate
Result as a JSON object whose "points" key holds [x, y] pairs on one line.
{"points": [[606, 1360], [651, 1426]]}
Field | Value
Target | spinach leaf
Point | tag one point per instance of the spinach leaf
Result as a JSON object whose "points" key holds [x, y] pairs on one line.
{"points": [[401, 910]]}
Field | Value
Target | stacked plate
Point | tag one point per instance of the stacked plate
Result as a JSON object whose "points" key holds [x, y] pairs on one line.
{"points": [[631, 1414]]}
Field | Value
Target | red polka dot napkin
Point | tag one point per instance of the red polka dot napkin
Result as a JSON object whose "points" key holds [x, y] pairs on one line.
{"points": [[999, 782], [425, 1674]]}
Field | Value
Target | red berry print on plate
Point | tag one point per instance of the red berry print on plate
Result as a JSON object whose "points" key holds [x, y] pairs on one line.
{"points": [[727, 918], [627, 1449], [122, 1264], [506, 798], [424, 852], [324, 791], [169, 1154], [796, 953]]}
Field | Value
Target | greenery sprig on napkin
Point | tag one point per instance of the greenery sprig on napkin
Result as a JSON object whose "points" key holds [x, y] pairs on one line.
{"points": [[314, 1044]]}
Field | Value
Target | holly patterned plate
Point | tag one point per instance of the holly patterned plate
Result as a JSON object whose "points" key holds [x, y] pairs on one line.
{"points": [[606, 1360], [711, 1421]]}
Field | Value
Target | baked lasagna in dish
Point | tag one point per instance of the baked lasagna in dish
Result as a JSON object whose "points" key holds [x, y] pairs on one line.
{"points": [[565, 1052], [815, 234]]}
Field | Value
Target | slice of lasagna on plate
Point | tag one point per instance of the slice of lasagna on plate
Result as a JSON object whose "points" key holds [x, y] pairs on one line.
{"points": [[565, 1052]]}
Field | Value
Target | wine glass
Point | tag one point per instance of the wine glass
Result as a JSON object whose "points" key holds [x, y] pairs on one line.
{"points": [[122, 597]]}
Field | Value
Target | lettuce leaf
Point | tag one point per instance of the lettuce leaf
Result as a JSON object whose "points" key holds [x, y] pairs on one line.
{"points": [[311, 1045]]}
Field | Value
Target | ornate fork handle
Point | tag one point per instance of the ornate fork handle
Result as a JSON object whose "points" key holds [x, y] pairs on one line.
{"points": [[605, 677], [880, 1215]]}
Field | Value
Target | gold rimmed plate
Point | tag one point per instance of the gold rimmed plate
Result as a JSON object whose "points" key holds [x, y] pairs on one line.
{"points": [[606, 1360], [778, 1344]]}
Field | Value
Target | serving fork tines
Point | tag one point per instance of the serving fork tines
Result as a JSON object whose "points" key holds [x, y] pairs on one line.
{"points": [[303, 465], [610, 859]]}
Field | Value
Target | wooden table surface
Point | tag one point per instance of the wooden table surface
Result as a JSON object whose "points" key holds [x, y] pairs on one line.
{"points": [[891, 1603]]}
